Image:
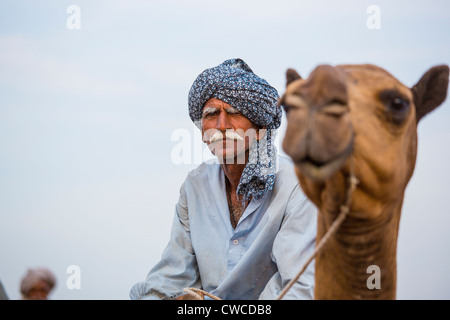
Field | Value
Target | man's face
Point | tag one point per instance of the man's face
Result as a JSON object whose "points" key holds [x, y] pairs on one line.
{"points": [[226, 131], [39, 291]]}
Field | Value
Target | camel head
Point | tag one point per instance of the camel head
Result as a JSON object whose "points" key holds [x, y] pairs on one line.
{"points": [[360, 116], [357, 120]]}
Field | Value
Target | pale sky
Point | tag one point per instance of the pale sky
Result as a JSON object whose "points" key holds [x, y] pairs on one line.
{"points": [[87, 122]]}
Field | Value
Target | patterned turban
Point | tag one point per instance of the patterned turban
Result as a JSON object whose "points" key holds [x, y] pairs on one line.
{"points": [[234, 83]]}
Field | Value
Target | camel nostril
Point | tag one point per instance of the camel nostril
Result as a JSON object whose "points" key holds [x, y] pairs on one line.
{"points": [[313, 162], [338, 101]]}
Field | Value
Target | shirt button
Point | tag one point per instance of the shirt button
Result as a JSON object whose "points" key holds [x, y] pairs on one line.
{"points": [[235, 241]]}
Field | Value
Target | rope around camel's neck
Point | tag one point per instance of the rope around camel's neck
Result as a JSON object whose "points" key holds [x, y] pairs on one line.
{"points": [[344, 210]]}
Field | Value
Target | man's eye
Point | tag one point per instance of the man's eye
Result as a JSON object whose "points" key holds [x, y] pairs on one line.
{"points": [[210, 114]]}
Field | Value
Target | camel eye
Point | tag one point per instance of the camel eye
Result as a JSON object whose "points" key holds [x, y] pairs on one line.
{"points": [[286, 108], [399, 105], [398, 110]]}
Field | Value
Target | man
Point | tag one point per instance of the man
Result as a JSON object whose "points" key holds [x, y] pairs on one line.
{"points": [[37, 284], [242, 227]]}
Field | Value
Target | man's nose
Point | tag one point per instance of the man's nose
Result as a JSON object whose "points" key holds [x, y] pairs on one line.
{"points": [[223, 122]]}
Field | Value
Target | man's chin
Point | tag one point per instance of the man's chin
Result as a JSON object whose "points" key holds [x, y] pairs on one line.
{"points": [[232, 158]]}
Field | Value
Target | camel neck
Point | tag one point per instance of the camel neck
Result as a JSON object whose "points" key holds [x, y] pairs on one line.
{"points": [[361, 249]]}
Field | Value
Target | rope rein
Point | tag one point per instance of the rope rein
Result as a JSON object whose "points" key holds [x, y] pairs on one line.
{"points": [[344, 210], [195, 293]]}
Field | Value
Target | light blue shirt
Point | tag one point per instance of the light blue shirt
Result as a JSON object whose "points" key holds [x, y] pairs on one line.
{"points": [[270, 244]]}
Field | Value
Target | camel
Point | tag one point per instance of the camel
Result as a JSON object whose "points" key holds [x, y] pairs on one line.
{"points": [[360, 121]]}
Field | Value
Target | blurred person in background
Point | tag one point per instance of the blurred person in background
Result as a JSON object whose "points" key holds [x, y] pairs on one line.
{"points": [[37, 284]]}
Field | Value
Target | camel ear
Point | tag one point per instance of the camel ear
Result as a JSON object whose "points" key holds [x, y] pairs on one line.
{"points": [[291, 75], [431, 90]]}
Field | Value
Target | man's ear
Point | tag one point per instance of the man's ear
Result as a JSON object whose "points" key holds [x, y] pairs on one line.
{"points": [[430, 91], [291, 75]]}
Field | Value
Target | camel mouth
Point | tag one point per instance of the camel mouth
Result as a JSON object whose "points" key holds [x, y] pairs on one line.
{"points": [[319, 171]]}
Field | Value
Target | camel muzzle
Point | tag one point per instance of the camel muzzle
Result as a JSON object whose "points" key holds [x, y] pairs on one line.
{"points": [[319, 136]]}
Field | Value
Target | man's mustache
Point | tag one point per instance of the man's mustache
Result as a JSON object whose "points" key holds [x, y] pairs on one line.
{"points": [[227, 135]]}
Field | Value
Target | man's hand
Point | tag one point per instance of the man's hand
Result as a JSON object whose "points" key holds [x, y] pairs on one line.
{"points": [[191, 295]]}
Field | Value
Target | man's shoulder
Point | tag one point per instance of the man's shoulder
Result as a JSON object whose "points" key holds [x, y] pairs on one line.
{"points": [[286, 180], [204, 171], [285, 177], [286, 170], [288, 184]]}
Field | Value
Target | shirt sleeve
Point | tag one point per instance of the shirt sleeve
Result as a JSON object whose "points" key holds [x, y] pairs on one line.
{"points": [[292, 247], [177, 268]]}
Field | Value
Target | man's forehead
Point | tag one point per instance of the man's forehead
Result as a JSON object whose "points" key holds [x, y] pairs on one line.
{"points": [[216, 103]]}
